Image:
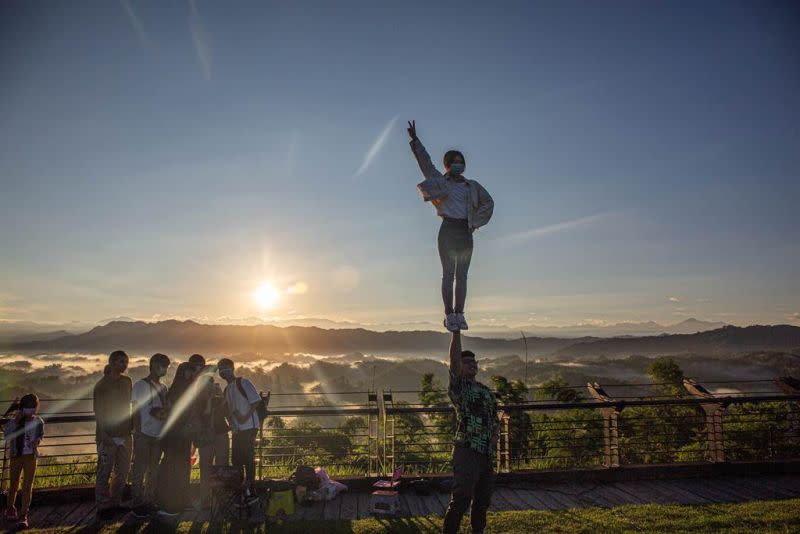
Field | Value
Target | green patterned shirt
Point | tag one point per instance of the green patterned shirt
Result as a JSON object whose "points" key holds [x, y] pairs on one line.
{"points": [[476, 413]]}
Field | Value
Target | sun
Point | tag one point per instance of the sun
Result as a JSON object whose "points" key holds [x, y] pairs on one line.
{"points": [[266, 296]]}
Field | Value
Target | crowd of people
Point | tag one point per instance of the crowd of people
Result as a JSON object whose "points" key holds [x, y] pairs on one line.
{"points": [[147, 433]]}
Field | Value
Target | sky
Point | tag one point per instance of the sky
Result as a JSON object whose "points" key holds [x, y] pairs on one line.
{"points": [[167, 159]]}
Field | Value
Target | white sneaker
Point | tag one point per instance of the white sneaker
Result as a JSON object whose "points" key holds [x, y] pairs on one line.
{"points": [[451, 322], [462, 322]]}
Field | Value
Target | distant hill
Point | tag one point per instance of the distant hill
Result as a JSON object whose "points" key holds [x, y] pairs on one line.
{"points": [[726, 340], [648, 328], [189, 336]]}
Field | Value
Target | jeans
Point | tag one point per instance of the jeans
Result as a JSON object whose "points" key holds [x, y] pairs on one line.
{"points": [[243, 454], [455, 252], [144, 473], [113, 463], [215, 453], [24, 466], [473, 482]]}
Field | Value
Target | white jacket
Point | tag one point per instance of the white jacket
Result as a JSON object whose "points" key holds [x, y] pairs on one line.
{"points": [[436, 187]]}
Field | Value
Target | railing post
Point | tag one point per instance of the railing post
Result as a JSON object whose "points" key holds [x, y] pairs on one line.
{"points": [[791, 386], [714, 411], [610, 424], [388, 433], [506, 420], [5, 462], [372, 434], [503, 446]]}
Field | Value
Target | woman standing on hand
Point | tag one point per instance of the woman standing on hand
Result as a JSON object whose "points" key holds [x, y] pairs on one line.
{"points": [[464, 205]]}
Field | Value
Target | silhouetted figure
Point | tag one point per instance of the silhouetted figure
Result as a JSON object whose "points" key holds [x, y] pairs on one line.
{"points": [[464, 205], [175, 470], [23, 433], [212, 441], [242, 399], [112, 410], [149, 414], [474, 443]]}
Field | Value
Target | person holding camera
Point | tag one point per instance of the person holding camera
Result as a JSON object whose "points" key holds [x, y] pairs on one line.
{"points": [[23, 435], [149, 413]]}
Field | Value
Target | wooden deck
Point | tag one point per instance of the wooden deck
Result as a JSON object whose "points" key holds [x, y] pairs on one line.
{"points": [[80, 516]]}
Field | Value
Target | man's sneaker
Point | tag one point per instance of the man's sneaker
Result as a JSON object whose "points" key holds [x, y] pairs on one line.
{"points": [[141, 511], [22, 523], [11, 514], [462, 323]]}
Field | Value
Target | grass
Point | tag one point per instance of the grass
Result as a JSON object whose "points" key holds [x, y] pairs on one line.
{"points": [[756, 516]]}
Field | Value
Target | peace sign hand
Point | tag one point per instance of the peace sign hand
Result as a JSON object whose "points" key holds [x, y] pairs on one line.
{"points": [[412, 129]]}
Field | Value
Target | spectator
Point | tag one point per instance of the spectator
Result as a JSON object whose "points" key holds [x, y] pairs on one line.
{"points": [[149, 414], [175, 470], [212, 440], [242, 400], [112, 409], [23, 435]]}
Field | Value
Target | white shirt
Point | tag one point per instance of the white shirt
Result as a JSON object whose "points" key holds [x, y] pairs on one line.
{"points": [[33, 429], [241, 405], [454, 205], [146, 396]]}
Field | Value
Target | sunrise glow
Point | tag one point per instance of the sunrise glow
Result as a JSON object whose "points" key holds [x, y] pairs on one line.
{"points": [[267, 296]]}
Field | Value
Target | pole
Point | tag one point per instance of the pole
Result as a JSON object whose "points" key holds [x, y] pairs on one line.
{"points": [[525, 340]]}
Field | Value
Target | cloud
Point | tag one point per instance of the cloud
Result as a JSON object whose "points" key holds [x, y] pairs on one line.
{"points": [[558, 227], [794, 317], [200, 40], [674, 299], [136, 24], [376, 146]]}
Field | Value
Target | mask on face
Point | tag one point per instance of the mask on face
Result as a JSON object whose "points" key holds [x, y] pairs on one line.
{"points": [[27, 412], [457, 169], [226, 373]]}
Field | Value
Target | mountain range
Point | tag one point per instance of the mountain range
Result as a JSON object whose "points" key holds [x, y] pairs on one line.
{"points": [[21, 330], [267, 341]]}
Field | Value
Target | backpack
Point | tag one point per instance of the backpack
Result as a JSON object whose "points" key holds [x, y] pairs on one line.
{"points": [[261, 410], [305, 476]]}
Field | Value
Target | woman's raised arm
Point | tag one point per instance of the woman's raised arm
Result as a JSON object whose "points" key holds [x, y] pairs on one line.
{"points": [[429, 171]]}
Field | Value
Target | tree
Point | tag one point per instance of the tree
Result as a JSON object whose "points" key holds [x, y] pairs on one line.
{"points": [[433, 394], [667, 375], [519, 424], [557, 389]]}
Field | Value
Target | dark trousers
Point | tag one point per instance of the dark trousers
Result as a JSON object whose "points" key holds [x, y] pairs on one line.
{"points": [[243, 453], [473, 482], [174, 474], [144, 472], [455, 253]]}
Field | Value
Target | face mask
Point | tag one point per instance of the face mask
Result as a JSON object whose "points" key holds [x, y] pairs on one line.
{"points": [[456, 169], [27, 412]]}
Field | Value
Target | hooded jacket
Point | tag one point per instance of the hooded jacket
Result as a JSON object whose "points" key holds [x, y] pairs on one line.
{"points": [[436, 187]]}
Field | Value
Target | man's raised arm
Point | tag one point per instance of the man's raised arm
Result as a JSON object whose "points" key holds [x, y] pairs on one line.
{"points": [[455, 356]]}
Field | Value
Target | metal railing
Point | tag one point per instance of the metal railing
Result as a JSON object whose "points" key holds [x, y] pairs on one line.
{"points": [[377, 434]]}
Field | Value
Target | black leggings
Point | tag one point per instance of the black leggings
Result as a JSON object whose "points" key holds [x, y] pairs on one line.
{"points": [[455, 251]]}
